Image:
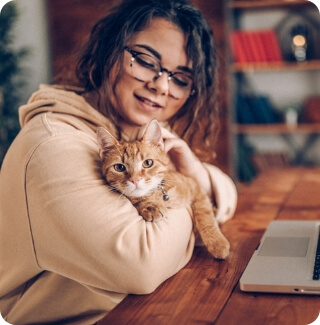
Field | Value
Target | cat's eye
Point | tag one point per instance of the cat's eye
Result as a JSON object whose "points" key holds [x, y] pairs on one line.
{"points": [[119, 168], [147, 163]]}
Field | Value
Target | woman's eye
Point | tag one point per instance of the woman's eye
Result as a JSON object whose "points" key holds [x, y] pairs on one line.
{"points": [[146, 61], [119, 168], [181, 80], [147, 163]]}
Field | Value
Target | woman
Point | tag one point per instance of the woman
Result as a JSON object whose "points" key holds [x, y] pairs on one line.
{"points": [[71, 249]]}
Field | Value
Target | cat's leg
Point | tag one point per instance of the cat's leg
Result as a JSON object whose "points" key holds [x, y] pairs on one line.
{"points": [[208, 228], [151, 211], [215, 242], [186, 191]]}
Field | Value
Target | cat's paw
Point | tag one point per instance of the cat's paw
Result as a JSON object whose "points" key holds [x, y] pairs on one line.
{"points": [[151, 213], [219, 248]]}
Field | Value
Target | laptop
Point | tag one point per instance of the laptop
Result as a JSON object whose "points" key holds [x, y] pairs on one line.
{"points": [[286, 261]]}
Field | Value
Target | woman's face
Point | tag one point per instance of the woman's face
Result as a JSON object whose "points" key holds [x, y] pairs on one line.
{"points": [[139, 101]]}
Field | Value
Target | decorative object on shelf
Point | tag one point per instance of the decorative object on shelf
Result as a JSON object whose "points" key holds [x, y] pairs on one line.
{"points": [[311, 110], [299, 37], [290, 113], [291, 117]]}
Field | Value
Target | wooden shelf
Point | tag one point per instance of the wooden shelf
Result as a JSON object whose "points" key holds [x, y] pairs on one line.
{"points": [[276, 66], [278, 128], [266, 3]]}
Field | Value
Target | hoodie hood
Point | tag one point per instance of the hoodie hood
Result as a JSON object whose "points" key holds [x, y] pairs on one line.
{"points": [[63, 100]]}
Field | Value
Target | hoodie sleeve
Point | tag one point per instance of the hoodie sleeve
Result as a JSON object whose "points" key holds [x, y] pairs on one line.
{"points": [[84, 231], [224, 192]]}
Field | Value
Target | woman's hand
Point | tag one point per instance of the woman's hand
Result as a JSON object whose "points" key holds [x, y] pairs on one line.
{"points": [[184, 160], [179, 153]]}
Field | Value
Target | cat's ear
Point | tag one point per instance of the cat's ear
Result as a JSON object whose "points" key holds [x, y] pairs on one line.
{"points": [[105, 140], [153, 134]]}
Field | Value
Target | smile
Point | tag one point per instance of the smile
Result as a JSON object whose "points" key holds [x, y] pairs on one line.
{"points": [[148, 102]]}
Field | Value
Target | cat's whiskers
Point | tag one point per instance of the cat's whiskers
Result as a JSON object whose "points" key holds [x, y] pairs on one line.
{"points": [[115, 190], [119, 197]]}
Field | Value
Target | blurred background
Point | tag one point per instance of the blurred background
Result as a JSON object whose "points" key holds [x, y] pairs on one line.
{"points": [[269, 73]]}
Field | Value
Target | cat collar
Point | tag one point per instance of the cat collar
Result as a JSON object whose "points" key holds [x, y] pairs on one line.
{"points": [[165, 196]]}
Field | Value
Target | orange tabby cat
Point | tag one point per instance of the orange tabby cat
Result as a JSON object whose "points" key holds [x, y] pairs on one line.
{"points": [[139, 170]]}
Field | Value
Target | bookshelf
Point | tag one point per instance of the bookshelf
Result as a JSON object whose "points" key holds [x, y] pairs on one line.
{"points": [[288, 83], [277, 128], [266, 4], [310, 65]]}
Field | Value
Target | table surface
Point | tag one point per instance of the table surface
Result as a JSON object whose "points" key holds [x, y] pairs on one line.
{"points": [[207, 291]]}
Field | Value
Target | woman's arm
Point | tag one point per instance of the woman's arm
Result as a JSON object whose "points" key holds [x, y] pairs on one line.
{"points": [[86, 232], [224, 192]]}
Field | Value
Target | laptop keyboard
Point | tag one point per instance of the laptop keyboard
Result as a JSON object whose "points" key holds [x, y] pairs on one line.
{"points": [[316, 270]]}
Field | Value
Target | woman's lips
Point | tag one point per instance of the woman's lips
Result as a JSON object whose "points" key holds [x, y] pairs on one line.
{"points": [[148, 102]]}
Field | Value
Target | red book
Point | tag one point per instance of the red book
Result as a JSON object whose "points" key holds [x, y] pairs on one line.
{"points": [[275, 46], [253, 46], [260, 47], [246, 43], [237, 47], [271, 45]]}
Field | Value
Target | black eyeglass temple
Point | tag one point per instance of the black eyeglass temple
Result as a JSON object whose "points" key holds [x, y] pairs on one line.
{"points": [[128, 49], [132, 52]]}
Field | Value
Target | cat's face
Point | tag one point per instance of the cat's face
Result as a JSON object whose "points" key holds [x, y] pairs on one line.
{"points": [[134, 169]]}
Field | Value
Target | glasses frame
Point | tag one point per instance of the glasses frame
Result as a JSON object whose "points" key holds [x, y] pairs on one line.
{"points": [[134, 54]]}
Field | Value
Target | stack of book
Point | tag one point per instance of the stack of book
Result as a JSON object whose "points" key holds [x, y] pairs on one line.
{"points": [[255, 46], [255, 109]]}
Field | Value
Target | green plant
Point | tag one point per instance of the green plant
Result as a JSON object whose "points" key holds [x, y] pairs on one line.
{"points": [[11, 78]]}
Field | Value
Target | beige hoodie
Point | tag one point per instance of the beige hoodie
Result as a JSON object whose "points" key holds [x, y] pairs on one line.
{"points": [[70, 248]]}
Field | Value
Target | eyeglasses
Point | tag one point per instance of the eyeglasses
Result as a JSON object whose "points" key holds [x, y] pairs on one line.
{"points": [[145, 67]]}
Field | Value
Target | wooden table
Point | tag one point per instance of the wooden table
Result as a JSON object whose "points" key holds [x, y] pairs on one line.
{"points": [[207, 291]]}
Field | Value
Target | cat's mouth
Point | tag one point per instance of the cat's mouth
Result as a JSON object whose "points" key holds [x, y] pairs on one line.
{"points": [[138, 192], [148, 102]]}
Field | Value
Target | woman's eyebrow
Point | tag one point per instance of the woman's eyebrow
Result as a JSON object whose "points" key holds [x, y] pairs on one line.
{"points": [[150, 49], [159, 57], [184, 68]]}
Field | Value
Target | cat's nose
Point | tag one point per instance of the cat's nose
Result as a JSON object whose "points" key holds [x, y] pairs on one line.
{"points": [[135, 181]]}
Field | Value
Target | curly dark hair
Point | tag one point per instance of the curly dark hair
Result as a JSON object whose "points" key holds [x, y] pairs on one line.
{"points": [[109, 36]]}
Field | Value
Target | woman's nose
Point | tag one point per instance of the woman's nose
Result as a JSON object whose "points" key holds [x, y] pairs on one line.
{"points": [[160, 84]]}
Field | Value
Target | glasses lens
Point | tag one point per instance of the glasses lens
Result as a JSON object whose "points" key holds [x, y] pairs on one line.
{"points": [[145, 67], [180, 85]]}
